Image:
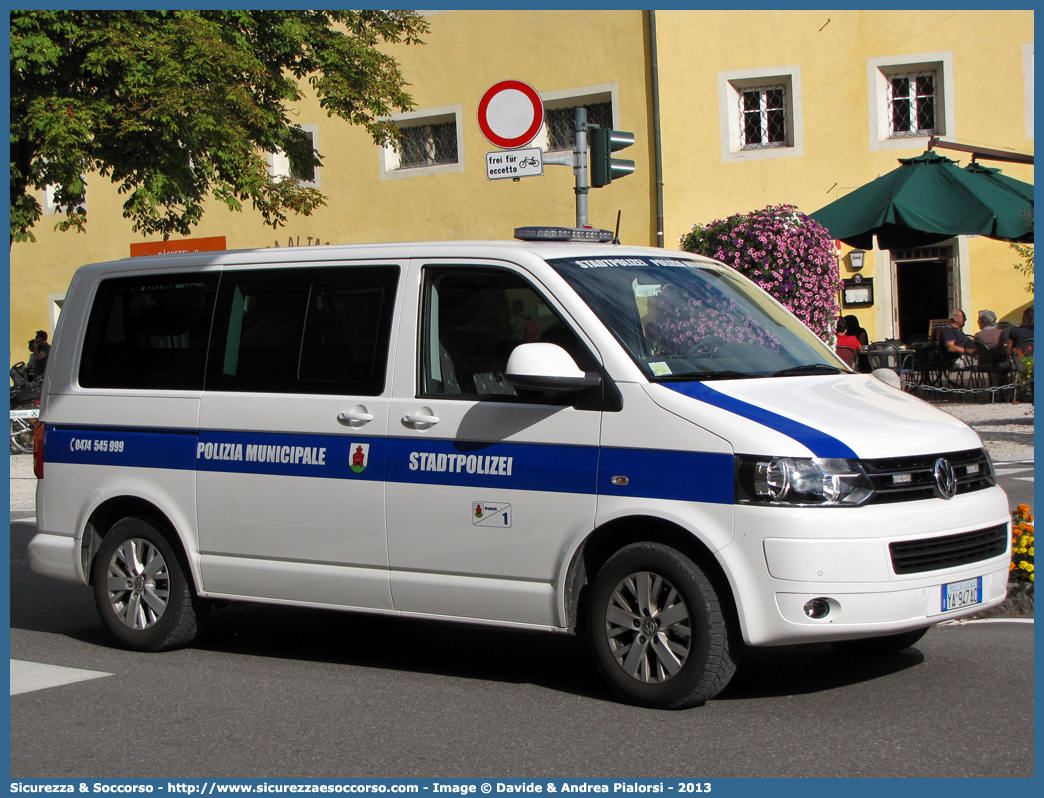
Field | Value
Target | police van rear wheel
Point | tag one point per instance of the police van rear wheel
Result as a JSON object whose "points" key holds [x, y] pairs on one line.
{"points": [[140, 589], [657, 630]]}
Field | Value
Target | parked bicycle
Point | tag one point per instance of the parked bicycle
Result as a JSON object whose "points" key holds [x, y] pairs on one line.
{"points": [[25, 407]]}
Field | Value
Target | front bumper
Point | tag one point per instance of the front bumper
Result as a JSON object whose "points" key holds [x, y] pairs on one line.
{"points": [[780, 558]]}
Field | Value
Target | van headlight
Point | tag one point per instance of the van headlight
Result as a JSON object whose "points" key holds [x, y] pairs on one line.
{"points": [[801, 481]]}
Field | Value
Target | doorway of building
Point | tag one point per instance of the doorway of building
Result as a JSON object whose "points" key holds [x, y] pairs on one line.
{"points": [[925, 288]]}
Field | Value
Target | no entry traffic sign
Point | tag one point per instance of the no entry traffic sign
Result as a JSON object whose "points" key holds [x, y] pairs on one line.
{"points": [[510, 114]]}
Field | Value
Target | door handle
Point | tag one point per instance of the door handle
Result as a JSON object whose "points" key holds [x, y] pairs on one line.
{"points": [[422, 419], [355, 417]]}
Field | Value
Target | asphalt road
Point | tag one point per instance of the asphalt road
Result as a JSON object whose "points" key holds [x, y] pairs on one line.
{"points": [[1017, 480], [284, 692]]}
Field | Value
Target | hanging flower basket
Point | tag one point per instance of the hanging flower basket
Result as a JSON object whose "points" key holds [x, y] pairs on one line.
{"points": [[786, 253]]}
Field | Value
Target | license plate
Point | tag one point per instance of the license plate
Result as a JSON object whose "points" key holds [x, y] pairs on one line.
{"points": [[962, 594]]}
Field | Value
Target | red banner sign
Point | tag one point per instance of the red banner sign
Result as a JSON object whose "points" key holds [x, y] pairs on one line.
{"points": [[212, 244]]}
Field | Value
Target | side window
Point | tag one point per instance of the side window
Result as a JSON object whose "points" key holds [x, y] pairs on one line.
{"points": [[285, 165], [430, 142], [559, 123], [911, 96], [759, 114], [149, 332], [473, 319], [317, 331]]}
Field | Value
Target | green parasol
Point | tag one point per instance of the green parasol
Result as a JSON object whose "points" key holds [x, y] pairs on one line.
{"points": [[927, 200]]}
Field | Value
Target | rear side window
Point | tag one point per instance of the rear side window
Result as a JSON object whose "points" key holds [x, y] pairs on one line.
{"points": [[315, 331], [149, 332]]}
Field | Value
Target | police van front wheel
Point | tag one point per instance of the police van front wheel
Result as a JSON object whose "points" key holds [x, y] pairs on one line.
{"points": [[140, 589], [657, 629]]}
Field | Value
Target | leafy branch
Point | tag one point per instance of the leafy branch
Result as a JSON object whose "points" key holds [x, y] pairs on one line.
{"points": [[176, 107]]}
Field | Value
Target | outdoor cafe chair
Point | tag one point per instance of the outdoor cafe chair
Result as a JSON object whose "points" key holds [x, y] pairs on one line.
{"points": [[884, 355], [975, 376], [847, 354], [927, 362]]}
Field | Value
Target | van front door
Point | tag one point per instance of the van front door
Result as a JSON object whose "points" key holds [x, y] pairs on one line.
{"points": [[488, 487], [293, 424]]}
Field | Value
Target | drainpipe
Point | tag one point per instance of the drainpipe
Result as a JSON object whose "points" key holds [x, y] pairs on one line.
{"points": [[657, 152]]}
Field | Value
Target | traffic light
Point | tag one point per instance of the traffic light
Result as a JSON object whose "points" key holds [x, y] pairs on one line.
{"points": [[603, 143]]}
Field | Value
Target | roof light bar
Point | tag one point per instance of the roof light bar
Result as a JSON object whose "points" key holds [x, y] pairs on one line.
{"points": [[563, 234]]}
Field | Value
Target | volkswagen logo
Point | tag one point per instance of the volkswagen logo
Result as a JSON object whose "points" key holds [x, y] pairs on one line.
{"points": [[945, 479]]}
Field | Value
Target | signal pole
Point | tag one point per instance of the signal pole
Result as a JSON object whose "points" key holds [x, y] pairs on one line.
{"points": [[580, 164], [604, 168]]}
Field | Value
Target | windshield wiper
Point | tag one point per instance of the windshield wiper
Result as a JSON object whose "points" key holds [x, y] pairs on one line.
{"points": [[700, 376], [811, 368]]}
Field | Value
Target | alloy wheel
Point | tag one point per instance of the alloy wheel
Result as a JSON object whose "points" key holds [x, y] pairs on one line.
{"points": [[647, 626], [138, 584]]}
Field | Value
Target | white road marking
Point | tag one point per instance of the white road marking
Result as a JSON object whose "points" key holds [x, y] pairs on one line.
{"points": [[29, 676], [959, 622]]}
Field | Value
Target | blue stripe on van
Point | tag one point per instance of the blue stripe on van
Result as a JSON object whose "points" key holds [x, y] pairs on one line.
{"points": [[588, 470], [821, 444], [519, 466], [682, 476], [290, 454], [123, 447]]}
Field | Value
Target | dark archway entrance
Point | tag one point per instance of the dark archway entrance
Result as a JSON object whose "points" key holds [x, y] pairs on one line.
{"points": [[925, 288]]}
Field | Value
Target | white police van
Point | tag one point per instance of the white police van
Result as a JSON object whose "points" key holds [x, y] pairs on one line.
{"points": [[634, 443]]}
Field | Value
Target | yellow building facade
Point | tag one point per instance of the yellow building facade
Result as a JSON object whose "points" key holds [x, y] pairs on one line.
{"points": [[736, 109]]}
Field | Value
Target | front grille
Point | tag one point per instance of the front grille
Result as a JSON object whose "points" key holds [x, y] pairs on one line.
{"points": [[903, 479], [933, 554]]}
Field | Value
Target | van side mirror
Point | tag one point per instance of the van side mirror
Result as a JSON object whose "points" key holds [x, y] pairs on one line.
{"points": [[547, 367]]}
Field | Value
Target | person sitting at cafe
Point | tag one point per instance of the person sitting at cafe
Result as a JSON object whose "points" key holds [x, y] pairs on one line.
{"points": [[844, 338], [1023, 332], [994, 338], [989, 333], [852, 328], [959, 348]]}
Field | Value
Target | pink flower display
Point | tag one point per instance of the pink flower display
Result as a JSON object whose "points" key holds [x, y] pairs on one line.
{"points": [[786, 253]]}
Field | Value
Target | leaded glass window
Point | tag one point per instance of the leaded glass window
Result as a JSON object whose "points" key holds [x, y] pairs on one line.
{"points": [[912, 105], [560, 121], [763, 117], [428, 145]]}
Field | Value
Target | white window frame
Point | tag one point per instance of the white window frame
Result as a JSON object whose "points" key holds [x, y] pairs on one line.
{"points": [[763, 114], [913, 97], [879, 72], [48, 205], [279, 162], [388, 158], [1027, 79], [571, 98], [731, 86], [54, 310]]}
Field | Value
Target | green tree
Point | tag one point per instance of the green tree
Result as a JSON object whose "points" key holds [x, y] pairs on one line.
{"points": [[178, 106], [1025, 252]]}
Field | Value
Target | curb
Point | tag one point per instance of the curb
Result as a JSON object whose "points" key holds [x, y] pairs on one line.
{"points": [[1017, 605]]}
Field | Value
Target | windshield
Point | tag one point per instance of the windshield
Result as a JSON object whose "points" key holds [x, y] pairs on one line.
{"points": [[687, 320]]}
